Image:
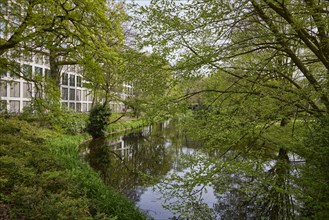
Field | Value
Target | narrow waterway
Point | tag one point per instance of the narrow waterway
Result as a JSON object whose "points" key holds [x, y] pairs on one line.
{"points": [[137, 163], [150, 167]]}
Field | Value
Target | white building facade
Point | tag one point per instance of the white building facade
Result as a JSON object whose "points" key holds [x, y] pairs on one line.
{"points": [[17, 93]]}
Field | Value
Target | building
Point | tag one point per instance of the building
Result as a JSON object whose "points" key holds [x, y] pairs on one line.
{"points": [[18, 92]]}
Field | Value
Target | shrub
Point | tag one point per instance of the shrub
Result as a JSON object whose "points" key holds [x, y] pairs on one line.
{"points": [[71, 122], [98, 121], [42, 177]]}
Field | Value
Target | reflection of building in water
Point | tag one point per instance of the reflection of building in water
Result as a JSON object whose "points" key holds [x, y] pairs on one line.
{"points": [[118, 146]]}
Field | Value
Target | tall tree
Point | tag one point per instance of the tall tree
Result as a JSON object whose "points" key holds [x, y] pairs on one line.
{"points": [[65, 32], [267, 63]]}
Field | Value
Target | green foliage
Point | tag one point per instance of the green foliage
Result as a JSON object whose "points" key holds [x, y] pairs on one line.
{"points": [[71, 122], [315, 174], [261, 91], [42, 177], [99, 119], [126, 125]]}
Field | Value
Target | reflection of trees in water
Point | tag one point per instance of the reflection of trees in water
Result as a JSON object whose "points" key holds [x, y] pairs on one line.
{"points": [[123, 160], [245, 188], [262, 192]]}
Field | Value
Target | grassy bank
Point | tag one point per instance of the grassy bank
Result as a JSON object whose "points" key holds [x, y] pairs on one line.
{"points": [[42, 177], [126, 124]]}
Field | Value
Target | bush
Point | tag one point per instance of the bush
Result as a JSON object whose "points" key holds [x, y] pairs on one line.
{"points": [[42, 177], [71, 122], [99, 120]]}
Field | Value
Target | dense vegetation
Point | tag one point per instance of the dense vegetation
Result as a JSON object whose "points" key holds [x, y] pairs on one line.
{"points": [[43, 176], [251, 75], [255, 73]]}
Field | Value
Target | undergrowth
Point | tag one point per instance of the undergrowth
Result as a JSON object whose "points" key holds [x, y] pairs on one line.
{"points": [[42, 177]]}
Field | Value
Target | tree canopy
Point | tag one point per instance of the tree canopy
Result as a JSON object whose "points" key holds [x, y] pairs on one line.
{"points": [[266, 64]]}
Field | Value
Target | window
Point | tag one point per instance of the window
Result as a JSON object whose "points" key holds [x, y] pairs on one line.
{"points": [[27, 71], [72, 94], [65, 94], [84, 107], [3, 105], [78, 97], [90, 97], [47, 73], [84, 95], [3, 88], [15, 71], [14, 89], [65, 79], [38, 71], [72, 106], [64, 105], [14, 106], [72, 80], [39, 59], [27, 90], [26, 104], [78, 107], [79, 81], [38, 91]]}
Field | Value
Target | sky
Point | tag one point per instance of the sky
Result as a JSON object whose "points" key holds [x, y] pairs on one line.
{"points": [[140, 2]]}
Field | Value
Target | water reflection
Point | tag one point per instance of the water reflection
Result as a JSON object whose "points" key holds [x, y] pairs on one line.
{"points": [[124, 160], [159, 166]]}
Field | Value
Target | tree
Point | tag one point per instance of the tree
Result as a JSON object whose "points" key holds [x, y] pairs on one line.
{"points": [[152, 83], [65, 32], [267, 63]]}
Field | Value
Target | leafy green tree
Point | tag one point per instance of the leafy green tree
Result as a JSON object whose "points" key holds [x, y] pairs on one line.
{"points": [[65, 32], [99, 120], [267, 67], [152, 82]]}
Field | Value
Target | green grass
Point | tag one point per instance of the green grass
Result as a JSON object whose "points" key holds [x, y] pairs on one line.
{"points": [[42, 177], [126, 125]]}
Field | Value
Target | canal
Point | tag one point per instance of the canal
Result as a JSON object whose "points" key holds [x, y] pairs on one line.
{"points": [[168, 176]]}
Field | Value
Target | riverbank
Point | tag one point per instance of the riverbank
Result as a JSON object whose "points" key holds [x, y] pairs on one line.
{"points": [[42, 176]]}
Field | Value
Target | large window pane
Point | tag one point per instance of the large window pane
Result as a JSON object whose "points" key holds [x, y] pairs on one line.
{"points": [[78, 107], [39, 91], [78, 95], [15, 70], [26, 104], [14, 106], [84, 107], [79, 81], [72, 106], [84, 95], [72, 94], [65, 94], [27, 90], [47, 73], [90, 97], [14, 89], [38, 71], [3, 105], [3, 88], [27, 71], [65, 79], [72, 80]]}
